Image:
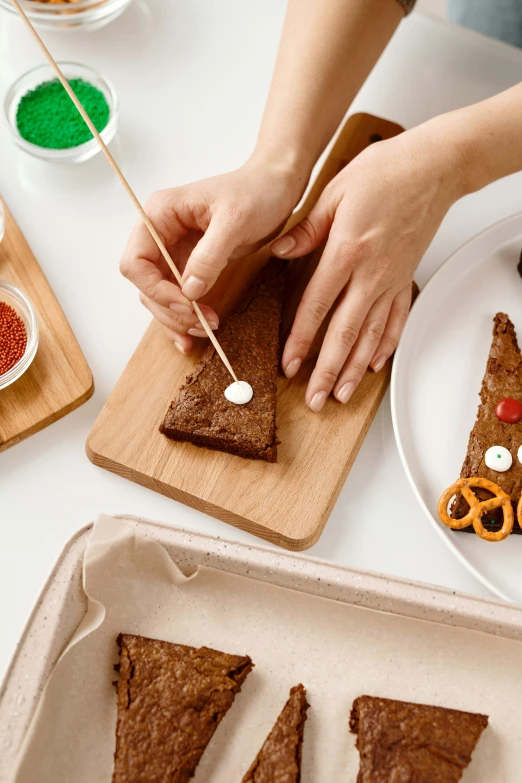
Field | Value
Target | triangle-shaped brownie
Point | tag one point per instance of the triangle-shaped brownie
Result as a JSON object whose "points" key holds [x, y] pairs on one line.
{"points": [[171, 699], [399, 741], [280, 757], [201, 414], [502, 380]]}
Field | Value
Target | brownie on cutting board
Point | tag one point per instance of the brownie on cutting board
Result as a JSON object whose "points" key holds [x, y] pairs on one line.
{"points": [[413, 743], [171, 699], [280, 757], [201, 414], [503, 379]]}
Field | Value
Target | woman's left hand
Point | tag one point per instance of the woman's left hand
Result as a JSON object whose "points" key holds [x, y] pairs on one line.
{"points": [[378, 215]]}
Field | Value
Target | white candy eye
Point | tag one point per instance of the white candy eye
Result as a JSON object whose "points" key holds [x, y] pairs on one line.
{"points": [[520, 453], [498, 458]]}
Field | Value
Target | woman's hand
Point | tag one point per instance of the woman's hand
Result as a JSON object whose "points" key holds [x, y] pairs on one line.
{"points": [[203, 225], [378, 216]]}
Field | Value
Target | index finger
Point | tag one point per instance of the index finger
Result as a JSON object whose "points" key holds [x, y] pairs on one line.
{"points": [[142, 262], [329, 279], [339, 340]]}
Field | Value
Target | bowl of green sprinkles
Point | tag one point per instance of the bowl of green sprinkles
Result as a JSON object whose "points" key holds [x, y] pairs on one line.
{"points": [[66, 15], [45, 123]]}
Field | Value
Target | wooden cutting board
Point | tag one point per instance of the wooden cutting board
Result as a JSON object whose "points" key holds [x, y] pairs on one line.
{"points": [[59, 379], [287, 503]]}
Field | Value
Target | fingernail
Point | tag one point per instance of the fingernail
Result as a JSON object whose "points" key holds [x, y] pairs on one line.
{"points": [[318, 401], [181, 309], [199, 325], [379, 363], [193, 288], [293, 368], [197, 332], [179, 347], [345, 392], [284, 245]]}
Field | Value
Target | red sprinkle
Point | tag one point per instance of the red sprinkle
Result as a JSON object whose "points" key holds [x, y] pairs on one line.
{"points": [[508, 410], [13, 338]]}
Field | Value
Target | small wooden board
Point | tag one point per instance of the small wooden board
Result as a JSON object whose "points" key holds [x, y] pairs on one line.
{"points": [[59, 379], [287, 503]]}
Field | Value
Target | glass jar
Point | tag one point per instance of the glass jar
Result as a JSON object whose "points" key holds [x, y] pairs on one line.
{"points": [[12, 295], [44, 73], [83, 15]]}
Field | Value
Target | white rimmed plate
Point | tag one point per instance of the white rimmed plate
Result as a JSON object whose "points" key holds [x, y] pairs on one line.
{"points": [[437, 374]]}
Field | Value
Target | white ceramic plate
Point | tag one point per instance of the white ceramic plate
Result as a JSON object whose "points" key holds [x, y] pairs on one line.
{"points": [[437, 374]]}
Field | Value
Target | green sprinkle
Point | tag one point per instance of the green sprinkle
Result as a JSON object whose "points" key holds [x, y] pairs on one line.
{"points": [[47, 117]]}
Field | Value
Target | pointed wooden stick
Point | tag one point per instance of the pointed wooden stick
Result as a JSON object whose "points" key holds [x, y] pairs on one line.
{"points": [[164, 252]]}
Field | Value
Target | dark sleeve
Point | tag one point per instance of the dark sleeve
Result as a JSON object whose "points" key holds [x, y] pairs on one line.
{"points": [[407, 5]]}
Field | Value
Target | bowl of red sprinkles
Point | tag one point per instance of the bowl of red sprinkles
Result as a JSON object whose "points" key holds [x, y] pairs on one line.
{"points": [[18, 333]]}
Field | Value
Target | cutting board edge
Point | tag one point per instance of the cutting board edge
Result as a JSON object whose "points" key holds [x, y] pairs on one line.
{"points": [[46, 298], [225, 515], [71, 406], [193, 501]]}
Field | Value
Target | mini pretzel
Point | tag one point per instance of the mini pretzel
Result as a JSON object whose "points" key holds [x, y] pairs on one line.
{"points": [[476, 508]]}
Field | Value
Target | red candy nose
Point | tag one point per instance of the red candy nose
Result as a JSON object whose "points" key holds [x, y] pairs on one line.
{"points": [[508, 410]]}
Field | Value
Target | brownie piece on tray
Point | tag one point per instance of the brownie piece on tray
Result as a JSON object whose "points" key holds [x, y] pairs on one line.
{"points": [[280, 757], [502, 380], [416, 743], [201, 414], [171, 699]]}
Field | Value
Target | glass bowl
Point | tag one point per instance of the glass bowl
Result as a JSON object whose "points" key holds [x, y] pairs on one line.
{"points": [[82, 15], [23, 307], [43, 73]]}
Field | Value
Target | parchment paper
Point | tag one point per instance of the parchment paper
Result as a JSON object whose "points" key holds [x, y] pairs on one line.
{"points": [[338, 651]]}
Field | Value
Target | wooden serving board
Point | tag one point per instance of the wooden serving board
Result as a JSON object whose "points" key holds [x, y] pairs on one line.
{"points": [[59, 379], [287, 503]]}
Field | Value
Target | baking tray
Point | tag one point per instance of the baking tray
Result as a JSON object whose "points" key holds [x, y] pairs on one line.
{"points": [[62, 605]]}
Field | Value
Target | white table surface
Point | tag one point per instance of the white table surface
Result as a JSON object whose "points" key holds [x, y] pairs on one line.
{"points": [[192, 79]]}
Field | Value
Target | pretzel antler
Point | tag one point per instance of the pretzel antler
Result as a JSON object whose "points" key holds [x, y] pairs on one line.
{"points": [[477, 508]]}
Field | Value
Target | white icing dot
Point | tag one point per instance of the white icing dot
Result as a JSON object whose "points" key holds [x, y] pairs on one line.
{"points": [[520, 453], [239, 393], [498, 458]]}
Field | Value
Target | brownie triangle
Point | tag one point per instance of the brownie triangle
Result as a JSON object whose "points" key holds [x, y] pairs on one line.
{"points": [[201, 414], [503, 378], [399, 741], [171, 699], [280, 757]]}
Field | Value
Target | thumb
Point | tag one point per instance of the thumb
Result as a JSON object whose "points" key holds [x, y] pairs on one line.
{"points": [[209, 258], [309, 233]]}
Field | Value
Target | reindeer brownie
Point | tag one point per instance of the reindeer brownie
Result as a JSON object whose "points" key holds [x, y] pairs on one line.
{"points": [[487, 497]]}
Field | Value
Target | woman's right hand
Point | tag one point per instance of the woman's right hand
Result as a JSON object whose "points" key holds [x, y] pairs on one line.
{"points": [[203, 225]]}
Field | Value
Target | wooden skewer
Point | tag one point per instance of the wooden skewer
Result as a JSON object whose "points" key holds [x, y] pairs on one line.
{"points": [[164, 252]]}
